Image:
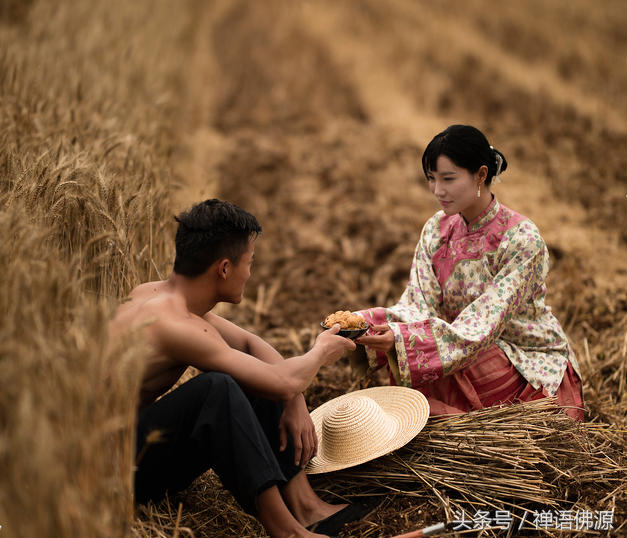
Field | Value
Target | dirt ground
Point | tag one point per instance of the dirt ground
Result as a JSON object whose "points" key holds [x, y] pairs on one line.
{"points": [[313, 115]]}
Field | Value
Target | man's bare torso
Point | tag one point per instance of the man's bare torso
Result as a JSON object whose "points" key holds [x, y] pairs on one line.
{"points": [[145, 304]]}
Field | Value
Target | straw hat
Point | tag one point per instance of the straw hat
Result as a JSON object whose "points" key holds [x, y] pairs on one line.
{"points": [[363, 425]]}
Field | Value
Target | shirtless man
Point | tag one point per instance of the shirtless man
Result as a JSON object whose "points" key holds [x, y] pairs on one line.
{"points": [[245, 416]]}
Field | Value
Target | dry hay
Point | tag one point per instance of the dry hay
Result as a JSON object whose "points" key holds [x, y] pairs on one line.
{"points": [[521, 458], [204, 509]]}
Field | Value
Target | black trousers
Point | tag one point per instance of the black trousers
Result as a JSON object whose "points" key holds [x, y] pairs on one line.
{"points": [[209, 423]]}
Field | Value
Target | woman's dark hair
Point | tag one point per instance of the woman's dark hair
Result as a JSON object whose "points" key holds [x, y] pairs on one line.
{"points": [[467, 147], [210, 231]]}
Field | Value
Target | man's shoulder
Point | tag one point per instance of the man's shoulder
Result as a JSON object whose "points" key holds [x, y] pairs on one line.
{"points": [[149, 290], [150, 302]]}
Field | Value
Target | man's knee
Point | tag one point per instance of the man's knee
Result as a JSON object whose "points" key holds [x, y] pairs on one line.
{"points": [[219, 386], [217, 380]]}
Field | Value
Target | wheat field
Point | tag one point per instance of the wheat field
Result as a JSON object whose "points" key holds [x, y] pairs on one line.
{"points": [[313, 115]]}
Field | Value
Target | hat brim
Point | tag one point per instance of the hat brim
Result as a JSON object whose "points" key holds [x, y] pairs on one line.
{"points": [[407, 408]]}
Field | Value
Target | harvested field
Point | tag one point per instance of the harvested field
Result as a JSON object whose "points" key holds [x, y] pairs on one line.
{"points": [[313, 115]]}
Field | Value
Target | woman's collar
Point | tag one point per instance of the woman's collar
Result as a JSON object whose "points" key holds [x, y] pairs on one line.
{"points": [[485, 218]]}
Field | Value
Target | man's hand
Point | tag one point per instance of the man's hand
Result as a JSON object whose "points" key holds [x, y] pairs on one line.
{"points": [[333, 345], [296, 421], [382, 341]]}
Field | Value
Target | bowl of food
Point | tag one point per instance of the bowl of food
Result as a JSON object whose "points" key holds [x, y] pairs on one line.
{"points": [[351, 325]]}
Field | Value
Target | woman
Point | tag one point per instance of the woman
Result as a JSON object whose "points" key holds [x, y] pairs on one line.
{"points": [[471, 329]]}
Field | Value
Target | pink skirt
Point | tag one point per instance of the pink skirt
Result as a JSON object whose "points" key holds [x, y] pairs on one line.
{"points": [[493, 380]]}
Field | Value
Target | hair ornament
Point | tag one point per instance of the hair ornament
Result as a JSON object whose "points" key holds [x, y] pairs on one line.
{"points": [[499, 164]]}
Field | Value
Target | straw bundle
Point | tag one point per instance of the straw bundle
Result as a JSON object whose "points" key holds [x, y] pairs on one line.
{"points": [[520, 458]]}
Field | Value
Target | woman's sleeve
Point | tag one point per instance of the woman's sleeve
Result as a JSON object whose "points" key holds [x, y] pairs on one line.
{"points": [[429, 347], [421, 300]]}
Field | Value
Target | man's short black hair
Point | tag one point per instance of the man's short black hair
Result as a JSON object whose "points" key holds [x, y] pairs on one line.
{"points": [[210, 231]]}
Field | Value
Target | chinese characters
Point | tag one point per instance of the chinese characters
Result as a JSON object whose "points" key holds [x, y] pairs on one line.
{"points": [[544, 519]]}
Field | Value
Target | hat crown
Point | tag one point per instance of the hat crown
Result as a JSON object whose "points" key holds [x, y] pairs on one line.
{"points": [[350, 427], [360, 426]]}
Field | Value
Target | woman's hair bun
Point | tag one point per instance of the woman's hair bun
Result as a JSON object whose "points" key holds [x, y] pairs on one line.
{"points": [[467, 147]]}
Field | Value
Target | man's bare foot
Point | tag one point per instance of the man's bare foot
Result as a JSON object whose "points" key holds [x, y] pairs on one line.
{"points": [[305, 504], [333, 524], [320, 513], [313, 513]]}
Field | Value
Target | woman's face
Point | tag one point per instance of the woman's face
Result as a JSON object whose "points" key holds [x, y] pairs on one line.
{"points": [[456, 189]]}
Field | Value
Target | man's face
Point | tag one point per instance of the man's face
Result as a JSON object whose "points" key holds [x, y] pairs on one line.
{"points": [[239, 274]]}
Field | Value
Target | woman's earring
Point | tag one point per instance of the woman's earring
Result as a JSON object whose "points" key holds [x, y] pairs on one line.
{"points": [[479, 191]]}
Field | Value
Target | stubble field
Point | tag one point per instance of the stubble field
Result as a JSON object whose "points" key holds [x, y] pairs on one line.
{"points": [[313, 116]]}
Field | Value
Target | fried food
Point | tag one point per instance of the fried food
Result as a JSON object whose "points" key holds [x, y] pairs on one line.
{"points": [[346, 319]]}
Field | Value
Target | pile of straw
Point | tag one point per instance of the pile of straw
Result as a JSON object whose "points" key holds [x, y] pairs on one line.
{"points": [[521, 458]]}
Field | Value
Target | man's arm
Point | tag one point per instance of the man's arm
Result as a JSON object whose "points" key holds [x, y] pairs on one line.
{"points": [[244, 341], [295, 419], [192, 341]]}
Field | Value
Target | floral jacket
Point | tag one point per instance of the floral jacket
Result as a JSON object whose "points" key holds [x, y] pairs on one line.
{"points": [[473, 285]]}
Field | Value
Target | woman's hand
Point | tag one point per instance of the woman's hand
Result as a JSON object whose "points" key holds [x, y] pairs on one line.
{"points": [[382, 341]]}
